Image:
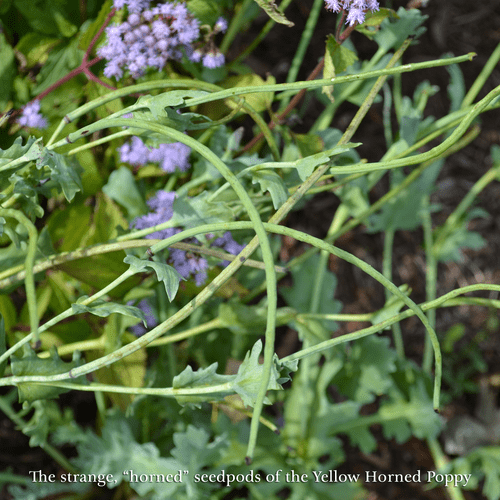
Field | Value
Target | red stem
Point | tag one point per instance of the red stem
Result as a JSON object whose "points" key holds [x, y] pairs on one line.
{"points": [[84, 65]]}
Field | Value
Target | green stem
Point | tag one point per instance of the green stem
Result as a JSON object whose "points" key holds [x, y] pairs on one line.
{"points": [[476, 87], [144, 340], [18, 273], [429, 155], [66, 314], [446, 300], [144, 391], [326, 117], [29, 281], [340, 217], [156, 85], [430, 277], [261, 234], [224, 94], [387, 272], [441, 460], [453, 219]]}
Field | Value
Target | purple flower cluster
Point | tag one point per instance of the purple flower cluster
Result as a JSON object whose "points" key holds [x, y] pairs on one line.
{"points": [[31, 116], [356, 8], [169, 156], [151, 320], [151, 36], [186, 263], [162, 210], [148, 38], [227, 243]]}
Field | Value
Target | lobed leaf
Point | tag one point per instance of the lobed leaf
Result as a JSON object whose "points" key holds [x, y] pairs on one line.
{"points": [[164, 272]]}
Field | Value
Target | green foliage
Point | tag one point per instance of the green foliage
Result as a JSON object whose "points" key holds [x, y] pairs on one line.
{"points": [[329, 386], [271, 9], [165, 273], [30, 364], [484, 464], [122, 188], [215, 387]]}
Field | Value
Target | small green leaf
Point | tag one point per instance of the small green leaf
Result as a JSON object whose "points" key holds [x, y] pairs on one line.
{"points": [[259, 101], [31, 364], [65, 172], [393, 34], [207, 11], [157, 104], [103, 309], [194, 449], [459, 237], [203, 379], [117, 452], [366, 369], [272, 182], [373, 20], [249, 377], [164, 272], [62, 59], [30, 149], [271, 9], [337, 59], [305, 166], [121, 187], [197, 210], [308, 144], [299, 296]]}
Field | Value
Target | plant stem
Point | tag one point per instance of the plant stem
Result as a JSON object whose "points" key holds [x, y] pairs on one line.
{"points": [[29, 280]]}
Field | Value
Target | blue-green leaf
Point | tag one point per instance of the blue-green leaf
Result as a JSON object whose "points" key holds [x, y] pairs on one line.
{"points": [[164, 272], [249, 377], [121, 187], [31, 364], [203, 378], [103, 309], [272, 182], [65, 172]]}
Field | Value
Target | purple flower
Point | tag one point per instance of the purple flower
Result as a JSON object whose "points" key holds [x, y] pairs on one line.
{"points": [[151, 320], [185, 263], [31, 116], [227, 243], [332, 5], [134, 6], [170, 156], [196, 55], [134, 152], [188, 264], [213, 60], [356, 9], [161, 33], [220, 25]]}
